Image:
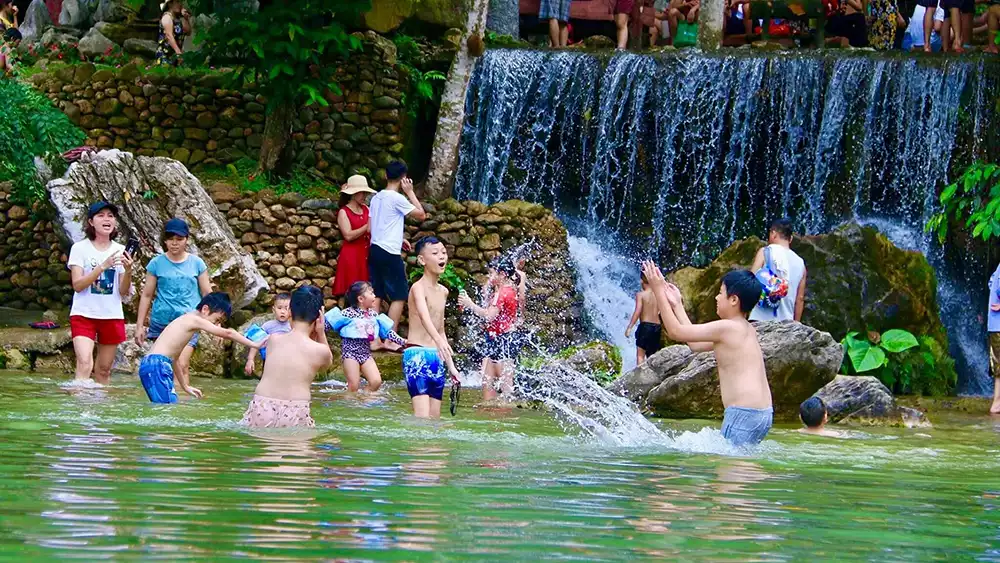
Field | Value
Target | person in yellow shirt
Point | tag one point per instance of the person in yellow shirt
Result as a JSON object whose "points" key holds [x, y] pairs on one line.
{"points": [[8, 15]]}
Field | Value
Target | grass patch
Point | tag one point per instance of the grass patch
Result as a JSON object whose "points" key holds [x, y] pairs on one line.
{"points": [[244, 174]]}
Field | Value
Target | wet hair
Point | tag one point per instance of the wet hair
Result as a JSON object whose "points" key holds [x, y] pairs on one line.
{"points": [[783, 227], [355, 291], [744, 285], [12, 35], [306, 303], [642, 277], [506, 267], [217, 302], [283, 296], [812, 411], [395, 170], [428, 240], [91, 232]]}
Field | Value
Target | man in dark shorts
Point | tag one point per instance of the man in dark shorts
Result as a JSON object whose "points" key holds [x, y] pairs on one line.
{"points": [[960, 13], [389, 209]]}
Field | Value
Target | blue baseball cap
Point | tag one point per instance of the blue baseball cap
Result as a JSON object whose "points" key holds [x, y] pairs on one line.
{"points": [[99, 206], [177, 227]]}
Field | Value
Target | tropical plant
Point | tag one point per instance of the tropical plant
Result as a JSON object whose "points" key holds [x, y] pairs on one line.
{"points": [[286, 48], [426, 87], [868, 355], [449, 277], [973, 199], [901, 361], [31, 126]]}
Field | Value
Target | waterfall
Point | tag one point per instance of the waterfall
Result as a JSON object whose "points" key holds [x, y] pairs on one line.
{"points": [[679, 155]]}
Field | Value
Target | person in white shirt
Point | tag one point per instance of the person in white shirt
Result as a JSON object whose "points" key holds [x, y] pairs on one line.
{"points": [[101, 274], [914, 39], [389, 210], [788, 266]]}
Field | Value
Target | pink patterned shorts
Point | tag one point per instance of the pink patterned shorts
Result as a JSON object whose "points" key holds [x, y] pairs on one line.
{"points": [[265, 412]]}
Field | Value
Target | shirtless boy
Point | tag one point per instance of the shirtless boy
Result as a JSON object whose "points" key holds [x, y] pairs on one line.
{"points": [[424, 363], [282, 397], [156, 372], [647, 314], [742, 379]]}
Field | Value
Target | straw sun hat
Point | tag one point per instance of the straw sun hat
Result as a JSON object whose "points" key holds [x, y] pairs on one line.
{"points": [[355, 184]]}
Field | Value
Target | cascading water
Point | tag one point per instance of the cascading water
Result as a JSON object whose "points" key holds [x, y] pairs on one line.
{"points": [[677, 156]]}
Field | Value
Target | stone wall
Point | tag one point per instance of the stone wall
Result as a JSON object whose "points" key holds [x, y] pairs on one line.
{"points": [[196, 120], [33, 272]]}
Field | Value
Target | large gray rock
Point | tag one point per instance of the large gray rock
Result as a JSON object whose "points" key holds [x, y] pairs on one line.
{"points": [[73, 14], [114, 11], [94, 43], [676, 382], [209, 359], [54, 37], [142, 47], [122, 178], [36, 21], [864, 400], [504, 17]]}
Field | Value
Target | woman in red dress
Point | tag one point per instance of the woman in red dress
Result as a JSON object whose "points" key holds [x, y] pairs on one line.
{"points": [[352, 220]]}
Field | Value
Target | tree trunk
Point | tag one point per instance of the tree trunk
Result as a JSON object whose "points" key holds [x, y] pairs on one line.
{"points": [[277, 132], [710, 23]]}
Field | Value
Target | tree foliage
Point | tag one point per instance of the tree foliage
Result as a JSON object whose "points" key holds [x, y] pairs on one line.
{"points": [[901, 361], [974, 199]]}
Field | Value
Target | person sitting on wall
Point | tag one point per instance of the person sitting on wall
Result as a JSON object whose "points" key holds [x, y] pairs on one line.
{"points": [[623, 11], [845, 23], [8, 51], [175, 24], [682, 9], [8, 15]]}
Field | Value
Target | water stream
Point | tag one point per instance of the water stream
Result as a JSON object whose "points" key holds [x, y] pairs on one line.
{"points": [[677, 156]]}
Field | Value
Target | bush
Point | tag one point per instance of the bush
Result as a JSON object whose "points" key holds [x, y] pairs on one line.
{"points": [[904, 363], [247, 177], [31, 126]]}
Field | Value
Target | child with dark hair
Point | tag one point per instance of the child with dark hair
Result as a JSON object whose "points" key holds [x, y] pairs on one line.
{"points": [[358, 325], [502, 346], [742, 377], [278, 325], [813, 413], [648, 339], [156, 370], [282, 397]]}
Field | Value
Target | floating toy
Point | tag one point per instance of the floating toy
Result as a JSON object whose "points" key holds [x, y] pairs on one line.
{"points": [[362, 328]]}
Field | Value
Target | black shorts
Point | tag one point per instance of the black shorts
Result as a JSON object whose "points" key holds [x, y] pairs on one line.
{"points": [[647, 337], [735, 26], [502, 347], [851, 26], [388, 273], [927, 3], [963, 6]]}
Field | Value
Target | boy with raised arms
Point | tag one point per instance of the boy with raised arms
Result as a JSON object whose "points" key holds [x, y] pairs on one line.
{"points": [[424, 363], [742, 378]]}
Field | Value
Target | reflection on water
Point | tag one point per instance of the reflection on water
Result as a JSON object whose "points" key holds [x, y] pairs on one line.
{"points": [[96, 475]]}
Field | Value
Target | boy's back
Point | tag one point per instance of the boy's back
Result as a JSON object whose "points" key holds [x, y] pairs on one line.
{"points": [[292, 362], [742, 377], [650, 311]]}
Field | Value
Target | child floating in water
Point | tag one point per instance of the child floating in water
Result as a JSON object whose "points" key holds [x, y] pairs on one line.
{"points": [[156, 371], [742, 379], [358, 325], [424, 366], [278, 325], [282, 397], [647, 314], [813, 413]]}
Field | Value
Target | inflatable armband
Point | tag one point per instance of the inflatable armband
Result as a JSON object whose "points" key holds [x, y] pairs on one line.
{"points": [[257, 334]]}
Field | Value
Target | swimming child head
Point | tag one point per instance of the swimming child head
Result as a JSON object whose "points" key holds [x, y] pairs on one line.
{"points": [[431, 255], [360, 295], [738, 294], [216, 306], [813, 413], [282, 307], [307, 304]]}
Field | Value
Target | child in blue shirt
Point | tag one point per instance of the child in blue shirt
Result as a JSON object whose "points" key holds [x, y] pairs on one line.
{"points": [[280, 324]]}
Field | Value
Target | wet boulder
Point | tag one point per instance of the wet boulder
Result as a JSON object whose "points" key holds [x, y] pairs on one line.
{"points": [[94, 44], [865, 401], [148, 192], [387, 15], [210, 358], [20, 347], [676, 382]]}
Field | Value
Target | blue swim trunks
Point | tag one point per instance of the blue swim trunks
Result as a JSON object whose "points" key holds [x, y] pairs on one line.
{"points": [[744, 426], [154, 330], [156, 372], [424, 372]]}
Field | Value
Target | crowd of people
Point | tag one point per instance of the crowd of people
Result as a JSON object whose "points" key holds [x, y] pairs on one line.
{"points": [[935, 25]]}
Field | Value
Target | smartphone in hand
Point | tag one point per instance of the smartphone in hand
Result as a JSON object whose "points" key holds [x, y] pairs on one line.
{"points": [[132, 246]]}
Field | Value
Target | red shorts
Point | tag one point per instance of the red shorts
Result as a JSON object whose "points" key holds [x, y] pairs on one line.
{"points": [[624, 6], [102, 331]]}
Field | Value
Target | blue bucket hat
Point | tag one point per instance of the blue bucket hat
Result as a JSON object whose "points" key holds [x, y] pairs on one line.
{"points": [[177, 227]]}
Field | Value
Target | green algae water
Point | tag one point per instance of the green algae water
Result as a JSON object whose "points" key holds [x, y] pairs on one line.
{"points": [[97, 474]]}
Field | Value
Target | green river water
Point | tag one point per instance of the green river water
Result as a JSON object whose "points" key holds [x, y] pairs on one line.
{"points": [[97, 474]]}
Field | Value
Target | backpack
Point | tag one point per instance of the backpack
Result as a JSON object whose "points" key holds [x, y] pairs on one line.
{"points": [[775, 287]]}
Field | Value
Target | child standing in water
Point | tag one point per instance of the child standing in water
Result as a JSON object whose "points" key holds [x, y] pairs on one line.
{"points": [[282, 397], [424, 366], [358, 326], [993, 328], [278, 325], [647, 337], [742, 378], [156, 369], [501, 347]]}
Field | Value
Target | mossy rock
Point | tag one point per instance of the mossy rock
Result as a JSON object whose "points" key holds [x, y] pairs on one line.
{"points": [[857, 281], [387, 15], [597, 359]]}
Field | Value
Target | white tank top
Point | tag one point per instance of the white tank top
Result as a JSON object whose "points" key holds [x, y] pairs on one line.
{"points": [[789, 266]]}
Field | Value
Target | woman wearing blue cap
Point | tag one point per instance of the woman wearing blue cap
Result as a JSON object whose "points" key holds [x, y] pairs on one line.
{"points": [[101, 273], [175, 282]]}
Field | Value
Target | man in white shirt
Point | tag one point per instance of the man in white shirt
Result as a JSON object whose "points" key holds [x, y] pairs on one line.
{"points": [[389, 209], [788, 266]]}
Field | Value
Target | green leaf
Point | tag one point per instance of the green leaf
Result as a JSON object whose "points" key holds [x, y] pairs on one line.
{"points": [[866, 357], [898, 340]]}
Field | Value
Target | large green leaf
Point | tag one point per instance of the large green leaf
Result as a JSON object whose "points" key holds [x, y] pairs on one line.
{"points": [[897, 340], [865, 357]]}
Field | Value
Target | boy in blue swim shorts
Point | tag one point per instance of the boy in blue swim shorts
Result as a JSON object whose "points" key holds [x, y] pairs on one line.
{"points": [[156, 371], [425, 363]]}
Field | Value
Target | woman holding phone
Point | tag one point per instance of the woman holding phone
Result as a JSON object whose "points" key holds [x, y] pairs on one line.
{"points": [[101, 274]]}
